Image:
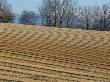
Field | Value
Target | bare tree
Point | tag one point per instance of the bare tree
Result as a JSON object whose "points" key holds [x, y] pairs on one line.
{"points": [[56, 12], [28, 17], [66, 13], [6, 15], [101, 17], [105, 17], [97, 17], [49, 12], [86, 15], [45, 12]]}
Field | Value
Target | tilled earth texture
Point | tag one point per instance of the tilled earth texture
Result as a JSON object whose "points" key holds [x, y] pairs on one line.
{"points": [[43, 54]]}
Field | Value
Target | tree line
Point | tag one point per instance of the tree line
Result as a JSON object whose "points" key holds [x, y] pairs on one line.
{"points": [[61, 13]]}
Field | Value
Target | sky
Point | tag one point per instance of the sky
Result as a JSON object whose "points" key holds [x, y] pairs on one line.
{"points": [[19, 5], [92, 2]]}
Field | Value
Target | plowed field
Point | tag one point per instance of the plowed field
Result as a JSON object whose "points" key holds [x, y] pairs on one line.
{"points": [[43, 54]]}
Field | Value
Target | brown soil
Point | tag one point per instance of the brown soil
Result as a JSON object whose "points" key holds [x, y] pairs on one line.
{"points": [[43, 54]]}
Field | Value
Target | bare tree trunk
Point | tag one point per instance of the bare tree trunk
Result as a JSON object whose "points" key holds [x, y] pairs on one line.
{"points": [[61, 23], [55, 23], [87, 23], [55, 18], [67, 23]]}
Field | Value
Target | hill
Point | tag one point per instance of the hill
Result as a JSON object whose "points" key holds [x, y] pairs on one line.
{"points": [[43, 54]]}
